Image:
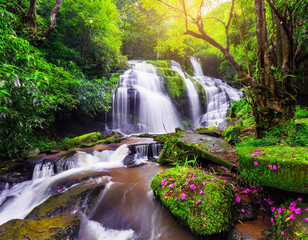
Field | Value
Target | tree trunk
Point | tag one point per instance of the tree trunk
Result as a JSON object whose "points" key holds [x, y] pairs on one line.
{"points": [[273, 103], [53, 22], [31, 15]]}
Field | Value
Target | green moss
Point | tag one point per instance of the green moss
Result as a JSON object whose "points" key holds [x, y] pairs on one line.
{"points": [[291, 164], [211, 215], [160, 63], [200, 90], [83, 140]]}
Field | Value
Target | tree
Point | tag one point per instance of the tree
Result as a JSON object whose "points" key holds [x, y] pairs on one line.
{"points": [[272, 87], [31, 18]]}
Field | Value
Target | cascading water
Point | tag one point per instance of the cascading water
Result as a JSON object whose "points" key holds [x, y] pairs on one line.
{"points": [[140, 105], [219, 97], [192, 94]]}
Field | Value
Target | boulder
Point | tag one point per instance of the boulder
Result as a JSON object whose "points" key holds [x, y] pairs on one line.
{"points": [[191, 146], [279, 167], [200, 202]]}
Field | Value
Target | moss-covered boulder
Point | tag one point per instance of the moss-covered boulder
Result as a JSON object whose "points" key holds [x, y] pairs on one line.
{"points": [[83, 140], [280, 167], [160, 63], [200, 202], [189, 146], [210, 131], [66, 227]]}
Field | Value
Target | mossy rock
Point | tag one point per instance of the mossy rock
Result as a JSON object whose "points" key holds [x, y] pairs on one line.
{"points": [[280, 167], [205, 210], [210, 131], [200, 90], [190, 146], [160, 63], [83, 140], [57, 228]]}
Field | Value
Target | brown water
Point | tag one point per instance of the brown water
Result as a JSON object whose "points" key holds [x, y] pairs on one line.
{"points": [[128, 205]]}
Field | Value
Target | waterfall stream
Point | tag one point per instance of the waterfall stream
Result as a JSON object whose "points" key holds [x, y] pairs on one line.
{"points": [[219, 97], [141, 105], [192, 94]]}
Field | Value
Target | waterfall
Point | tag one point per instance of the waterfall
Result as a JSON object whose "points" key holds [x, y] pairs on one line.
{"points": [[141, 105], [219, 97], [192, 94]]}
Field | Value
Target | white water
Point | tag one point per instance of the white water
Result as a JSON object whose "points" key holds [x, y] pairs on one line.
{"points": [[192, 94], [18, 201], [219, 97], [141, 105]]}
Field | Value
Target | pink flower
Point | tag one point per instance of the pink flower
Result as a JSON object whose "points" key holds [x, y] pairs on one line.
{"points": [[270, 166], [176, 198], [192, 187], [201, 191], [163, 182], [199, 201], [238, 199], [186, 183], [282, 233], [274, 167], [183, 196], [306, 209], [273, 209], [292, 216], [204, 183], [300, 199], [255, 163], [306, 219], [279, 210], [297, 210], [272, 219], [213, 179], [202, 214], [242, 210]]}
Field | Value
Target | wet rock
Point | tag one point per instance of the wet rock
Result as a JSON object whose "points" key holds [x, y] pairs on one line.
{"points": [[64, 227], [211, 131], [191, 146], [83, 140]]}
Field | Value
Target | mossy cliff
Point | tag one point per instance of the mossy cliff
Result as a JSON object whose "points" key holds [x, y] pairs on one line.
{"points": [[285, 168], [175, 87], [200, 202]]}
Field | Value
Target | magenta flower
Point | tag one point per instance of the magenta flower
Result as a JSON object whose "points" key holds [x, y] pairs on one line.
{"points": [[270, 167], [273, 209], [204, 183], [306, 219], [213, 179], [242, 210], [238, 199], [176, 198], [186, 183], [202, 214], [297, 210], [201, 191], [192, 187], [292, 216], [282, 233], [274, 167], [183, 196], [279, 210], [163, 182], [272, 219], [199, 201], [300, 199], [255, 163]]}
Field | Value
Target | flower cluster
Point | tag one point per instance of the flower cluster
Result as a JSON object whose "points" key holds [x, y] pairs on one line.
{"points": [[256, 153]]}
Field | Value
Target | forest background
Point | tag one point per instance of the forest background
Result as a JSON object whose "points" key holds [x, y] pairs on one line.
{"points": [[57, 59]]}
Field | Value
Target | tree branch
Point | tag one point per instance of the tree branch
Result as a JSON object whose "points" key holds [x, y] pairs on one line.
{"points": [[228, 25], [170, 6], [53, 22]]}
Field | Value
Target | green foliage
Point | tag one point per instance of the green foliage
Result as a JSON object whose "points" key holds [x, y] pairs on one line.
{"points": [[200, 202], [301, 113], [32, 90], [232, 133]]}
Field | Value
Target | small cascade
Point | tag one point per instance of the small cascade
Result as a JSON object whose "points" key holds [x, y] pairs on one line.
{"points": [[219, 97], [140, 105], [43, 170], [143, 152], [192, 94]]}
